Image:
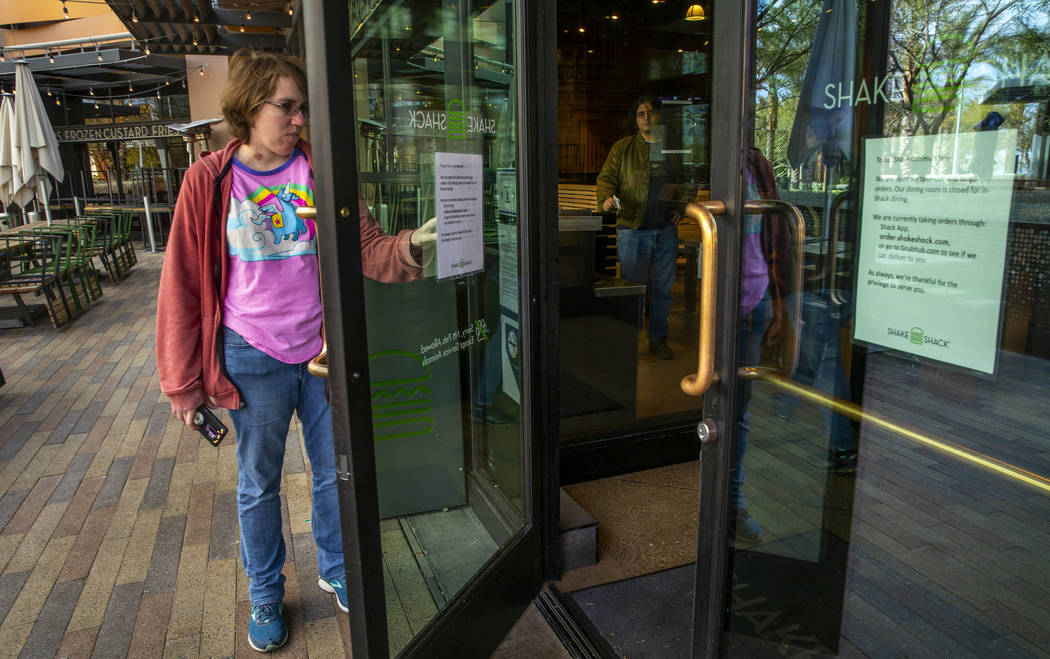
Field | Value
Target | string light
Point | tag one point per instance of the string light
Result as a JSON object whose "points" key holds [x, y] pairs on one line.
{"points": [[98, 53], [91, 91], [65, 10], [248, 16], [196, 17], [291, 11], [50, 57], [194, 41], [242, 26], [134, 16]]}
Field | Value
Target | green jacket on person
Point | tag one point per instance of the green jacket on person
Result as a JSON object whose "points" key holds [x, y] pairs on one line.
{"points": [[626, 175]]}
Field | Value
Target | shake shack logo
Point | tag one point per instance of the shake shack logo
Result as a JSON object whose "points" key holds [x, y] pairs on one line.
{"points": [[455, 122], [917, 336]]}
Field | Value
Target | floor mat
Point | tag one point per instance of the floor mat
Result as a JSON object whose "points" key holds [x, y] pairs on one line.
{"points": [[578, 397], [648, 616]]}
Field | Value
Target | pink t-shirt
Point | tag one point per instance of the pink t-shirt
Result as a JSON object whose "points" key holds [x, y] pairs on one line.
{"points": [[273, 295]]}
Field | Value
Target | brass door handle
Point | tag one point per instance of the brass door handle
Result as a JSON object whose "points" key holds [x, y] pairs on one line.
{"points": [[703, 213], [318, 366], [798, 226], [833, 250]]}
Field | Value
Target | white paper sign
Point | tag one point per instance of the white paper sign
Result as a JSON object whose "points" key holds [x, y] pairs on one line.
{"points": [[460, 242], [933, 244]]}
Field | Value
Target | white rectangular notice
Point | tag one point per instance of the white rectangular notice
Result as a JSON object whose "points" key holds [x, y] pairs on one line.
{"points": [[933, 244], [460, 241]]}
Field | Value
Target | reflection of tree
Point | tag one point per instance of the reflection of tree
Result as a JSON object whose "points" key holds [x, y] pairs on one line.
{"points": [[783, 37], [934, 45], [1025, 58]]}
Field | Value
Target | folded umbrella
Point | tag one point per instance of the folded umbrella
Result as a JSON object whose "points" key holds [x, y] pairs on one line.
{"points": [[8, 156], [35, 141]]}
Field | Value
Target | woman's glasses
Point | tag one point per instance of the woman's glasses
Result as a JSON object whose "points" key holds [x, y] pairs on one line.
{"points": [[290, 109]]}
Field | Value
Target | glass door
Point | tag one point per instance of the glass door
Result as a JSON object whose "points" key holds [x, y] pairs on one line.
{"points": [[875, 477], [416, 124]]}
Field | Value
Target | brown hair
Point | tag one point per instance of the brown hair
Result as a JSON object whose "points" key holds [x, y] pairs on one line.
{"points": [[252, 79]]}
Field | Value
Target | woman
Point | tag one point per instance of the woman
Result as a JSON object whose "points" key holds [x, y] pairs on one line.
{"points": [[239, 317], [639, 182]]}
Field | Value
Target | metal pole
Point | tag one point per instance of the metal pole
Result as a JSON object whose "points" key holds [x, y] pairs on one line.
{"points": [[149, 226], [76, 205]]}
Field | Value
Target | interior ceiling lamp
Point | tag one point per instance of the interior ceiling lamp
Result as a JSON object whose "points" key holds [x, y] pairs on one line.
{"points": [[695, 13]]}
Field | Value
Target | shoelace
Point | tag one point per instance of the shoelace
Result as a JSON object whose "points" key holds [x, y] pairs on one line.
{"points": [[264, 613]]}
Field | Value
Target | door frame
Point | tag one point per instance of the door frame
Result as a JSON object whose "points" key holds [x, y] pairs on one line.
{"points": [[480, 615], [730, 102]]}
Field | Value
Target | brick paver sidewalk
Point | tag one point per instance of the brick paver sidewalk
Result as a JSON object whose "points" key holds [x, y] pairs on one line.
{"points": [[119, 526]]}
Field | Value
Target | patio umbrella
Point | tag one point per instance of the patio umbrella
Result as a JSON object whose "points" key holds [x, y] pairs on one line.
{"points": [[7, 151], [824, 119], [35, 141]]}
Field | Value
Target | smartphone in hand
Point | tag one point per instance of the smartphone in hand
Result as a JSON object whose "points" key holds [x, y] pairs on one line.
{"points": [[209, 425]]}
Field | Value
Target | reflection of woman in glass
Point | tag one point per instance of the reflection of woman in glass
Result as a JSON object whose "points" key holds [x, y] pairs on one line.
{"points": [[765, 271], [637, 181], [239, 317]]}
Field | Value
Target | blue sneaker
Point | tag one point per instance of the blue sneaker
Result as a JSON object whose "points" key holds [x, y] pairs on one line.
{"points": [[337, 586], [266, 628]]}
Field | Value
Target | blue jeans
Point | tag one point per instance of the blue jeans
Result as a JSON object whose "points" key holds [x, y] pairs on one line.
{"points": [[749, 352], [648, 256], [271, 391], [820, 365]]}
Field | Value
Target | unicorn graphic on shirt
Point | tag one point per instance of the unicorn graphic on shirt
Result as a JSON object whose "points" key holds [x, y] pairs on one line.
{"points": [[264, 226], [283, 221]]}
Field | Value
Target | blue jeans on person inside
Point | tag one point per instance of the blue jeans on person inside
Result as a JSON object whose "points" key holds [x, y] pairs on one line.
{"points": [[271, 391], [749, 352], [648, 256]]}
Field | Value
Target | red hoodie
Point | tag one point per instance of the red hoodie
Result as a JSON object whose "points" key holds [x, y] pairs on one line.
{"points": [[193, 281]]}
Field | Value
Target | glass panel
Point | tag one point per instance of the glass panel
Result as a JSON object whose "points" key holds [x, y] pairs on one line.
{"points": [[434, 88], [629, 277], [913, 519], [636, 588]]}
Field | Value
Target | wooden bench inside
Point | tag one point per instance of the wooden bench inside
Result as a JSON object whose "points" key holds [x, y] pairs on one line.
{"points": [[577, 197]]}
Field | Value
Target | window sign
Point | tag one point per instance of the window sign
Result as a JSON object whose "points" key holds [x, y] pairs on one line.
{"points": [[460, 242], [933, 244]]}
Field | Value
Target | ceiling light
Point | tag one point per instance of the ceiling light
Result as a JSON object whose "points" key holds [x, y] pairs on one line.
{"points": [[51, 57], [248, 16], [196, 17], [695, 13], [194, 41], [65, 10], [129, 87], [134, 17], [291, 11], [147, 49], [91, 91]]}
